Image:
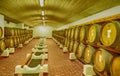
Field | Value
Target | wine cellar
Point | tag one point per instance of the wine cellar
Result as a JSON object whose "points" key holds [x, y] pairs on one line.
{"points": [[59, 37]]}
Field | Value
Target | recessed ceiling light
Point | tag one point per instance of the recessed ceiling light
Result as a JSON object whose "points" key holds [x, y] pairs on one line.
{"points": [[41, 3], [43, 18], [43, 13]]}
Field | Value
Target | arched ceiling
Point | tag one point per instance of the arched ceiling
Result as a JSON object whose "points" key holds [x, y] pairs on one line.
{"points": [[57, 12]]}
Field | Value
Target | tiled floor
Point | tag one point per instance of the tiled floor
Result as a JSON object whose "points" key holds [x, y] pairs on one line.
{"points": [[59, 63]]}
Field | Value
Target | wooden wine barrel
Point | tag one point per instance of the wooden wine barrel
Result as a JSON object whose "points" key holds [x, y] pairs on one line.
{"points": [[5, 31], [8, 31], [75, 46], [11, 32], [102, 60], [18, 40], [83, 33], [1, 32], [9, 42], [110, 35], [115, 66], [68, 43], [20, 31], [16, 31], [69, 32], [65, 44], [23, 39], [66, 33], [71, 46], [2, 46], [76, 33], [80, 50], [15, 42], [72, 33], [94, 33], [89, 54]]}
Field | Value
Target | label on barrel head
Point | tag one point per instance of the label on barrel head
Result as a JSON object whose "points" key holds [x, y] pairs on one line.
{"points": [[100, 58], [108, 33], [92, 32]]}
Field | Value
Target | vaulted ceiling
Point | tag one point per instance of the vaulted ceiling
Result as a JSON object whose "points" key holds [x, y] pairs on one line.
{"points": [[57, 12]]}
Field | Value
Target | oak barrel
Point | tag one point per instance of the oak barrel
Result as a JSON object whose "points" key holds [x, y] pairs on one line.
{"points": [[80, 50], [115, 66], [68, 43], [9, 31], [69, 32], [75, 46], [16, 31], [2, 46], [72, 33], [89, 54], [76, 33], [15, 42], [93, 33], [71, 46], [9, 42], [83, 33], [1, 32], [102, 60], [66, 33], [18, 40], [65, 44], [110, 35]]}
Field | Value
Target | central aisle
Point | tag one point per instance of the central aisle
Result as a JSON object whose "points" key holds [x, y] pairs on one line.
{"points": [[59, 64]]}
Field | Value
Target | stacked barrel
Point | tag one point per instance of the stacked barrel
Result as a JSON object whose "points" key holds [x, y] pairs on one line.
{"points": [[15, 36], [59, 35], [67, 38], [2, 42], [73, 39], [97, 44]]}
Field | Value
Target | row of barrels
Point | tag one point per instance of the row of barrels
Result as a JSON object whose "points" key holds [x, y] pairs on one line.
{"points": [[59, 38], [107, 34], [13, 37], [15, 31], [1, 32], [12, 42], [59, 32], [103, 61]]}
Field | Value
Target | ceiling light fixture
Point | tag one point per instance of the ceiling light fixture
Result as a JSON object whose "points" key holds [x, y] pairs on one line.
{"points": [[43, 13], [43, 18], [41, 3]]}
